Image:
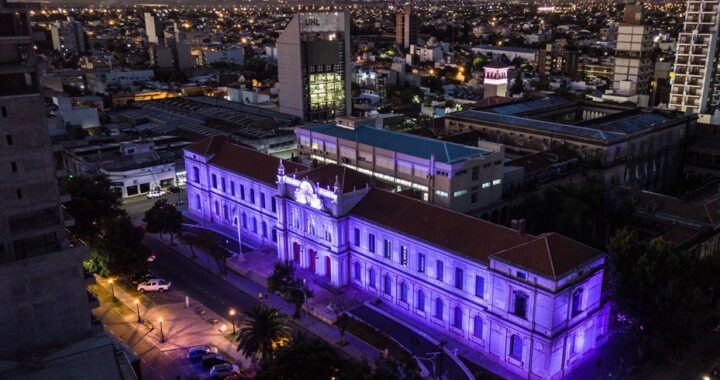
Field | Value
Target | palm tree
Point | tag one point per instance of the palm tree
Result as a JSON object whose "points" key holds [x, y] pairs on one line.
{"points": [[267, 329]]}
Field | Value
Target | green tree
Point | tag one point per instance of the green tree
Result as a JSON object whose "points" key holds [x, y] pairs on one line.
{"points": [[653, 288], [188, 240], [163, 218], [210, 243], [118, 249], [92, 203], [517, 87], [304, 358], [267, 330], [283, 281]]}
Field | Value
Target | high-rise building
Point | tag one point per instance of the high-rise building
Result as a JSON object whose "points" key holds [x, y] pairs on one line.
{"points": [[313, 66], [406, 27], [153, 29], [42, 286], [68, 36], [633, 55], [695, 83]]}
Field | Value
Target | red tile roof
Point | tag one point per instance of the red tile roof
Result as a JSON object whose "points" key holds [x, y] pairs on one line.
{"points": [[459, 233], [251, 163], [552, 255]]}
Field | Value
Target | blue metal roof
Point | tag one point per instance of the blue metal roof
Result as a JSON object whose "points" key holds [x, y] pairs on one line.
{"points": [[412, 145], [634, 123], [531, 105]]}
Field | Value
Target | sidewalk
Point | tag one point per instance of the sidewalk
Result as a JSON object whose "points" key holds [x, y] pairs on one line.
{"points": [[243, 276], [182, 327]]}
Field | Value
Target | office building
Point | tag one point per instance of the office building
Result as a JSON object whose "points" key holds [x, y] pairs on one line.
{"points": [[530, 304], [68, 36], [406, 27], [454, 176], [633, 56], [154, 29], [695, 82], [42, 285], [313, 66], [622, 145]]}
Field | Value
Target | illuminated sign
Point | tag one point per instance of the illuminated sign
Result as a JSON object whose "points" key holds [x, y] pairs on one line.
{"points": [[305, 194]]}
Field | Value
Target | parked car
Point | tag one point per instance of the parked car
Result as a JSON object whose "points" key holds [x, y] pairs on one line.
{"points": [[154, 285], [210, 360], [222, 371], [195, 353], [143, 276], [155, 193]]}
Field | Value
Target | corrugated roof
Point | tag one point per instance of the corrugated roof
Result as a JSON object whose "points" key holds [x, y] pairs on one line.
{"points": [[412, 145], [531, 105]]}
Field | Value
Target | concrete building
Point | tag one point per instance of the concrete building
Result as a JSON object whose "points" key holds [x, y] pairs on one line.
{"points": [[531, 304], [453, 176], [495, 82], [314, 66], [234, 55], [633, 56], [153, 29], [104, 82], [622, 145], [68, 36], [557, 58], [77, 113], [511, 53], [42, 285], [406, 27], [695, 84]]}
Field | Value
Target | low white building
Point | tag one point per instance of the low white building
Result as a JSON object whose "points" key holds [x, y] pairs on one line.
{"points": [[103, 82], [234, 55]]}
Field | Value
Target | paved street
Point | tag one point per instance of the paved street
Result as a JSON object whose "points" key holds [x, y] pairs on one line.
{"points": [[136, 206]]}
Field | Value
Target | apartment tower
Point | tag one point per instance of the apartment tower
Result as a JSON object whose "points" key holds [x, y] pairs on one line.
{"points": [[633, 55], [406, 27]]}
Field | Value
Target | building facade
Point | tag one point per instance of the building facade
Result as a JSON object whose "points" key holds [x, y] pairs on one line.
{"points": [[45, 304], [633, 55], [314, 66], [406, 27], [694, 86], [68, 36], [530, 303]]}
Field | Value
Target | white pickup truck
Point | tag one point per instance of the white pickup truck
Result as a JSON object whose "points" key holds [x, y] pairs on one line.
{"points": [[154, 285]]}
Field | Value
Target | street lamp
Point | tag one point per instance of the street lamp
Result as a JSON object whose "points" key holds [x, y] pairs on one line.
{"points": [[162, 335], [237, 219], [137, 307], [112, 290], [232, 315]]}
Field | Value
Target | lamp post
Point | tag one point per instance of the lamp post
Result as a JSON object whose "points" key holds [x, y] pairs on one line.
{"points": [[137, 307], [112, 290], [232, 316], [162, 334], [239, 235]]}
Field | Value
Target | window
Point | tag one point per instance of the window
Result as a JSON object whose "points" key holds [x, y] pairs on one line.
{"points": [[198, 203], [254, 225], [497, 182], [273, 205], [403, 292], [18, 193], [9, 139], [521, 275], [358, 273], [262, 200], [477, 327], [457, 318], [439, 268], [459, 278], [371, 278], [222, 184], [387, 250], [196, 174], [421, 262], [439, 308], [420, 300], [387, 284], [328, 232], [480, 286], [475, 173], [232, 188], [371, 243], [242, 192], [486, 185], [264, 229], [214, 181], [356, 237], [403, 255], [225, 212], [577, 301], [13, 167], [244, 220], [274, 235], [516, 347], [520, 304], [217, 208], [252, 196]]}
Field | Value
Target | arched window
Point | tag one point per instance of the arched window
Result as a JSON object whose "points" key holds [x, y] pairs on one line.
{"points": [[577, 302], [420, 300], [439, 308], [478, 327], [520, 304], [226, 214], [457, 317], [387, 284], [516, 347], [254, 224], [217, 208], [264, 229], [244, 220], [403, 292], [358, 273], [198, 203], [371, 278]]}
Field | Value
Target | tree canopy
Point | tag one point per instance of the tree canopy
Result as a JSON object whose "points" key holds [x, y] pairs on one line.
{"points": [[163, 218]]}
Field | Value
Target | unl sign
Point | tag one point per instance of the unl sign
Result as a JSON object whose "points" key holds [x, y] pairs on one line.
{"points": [[312, 22]]}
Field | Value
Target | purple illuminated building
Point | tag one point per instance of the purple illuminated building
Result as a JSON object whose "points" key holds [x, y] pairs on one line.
{"points": [[530, 303]]}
